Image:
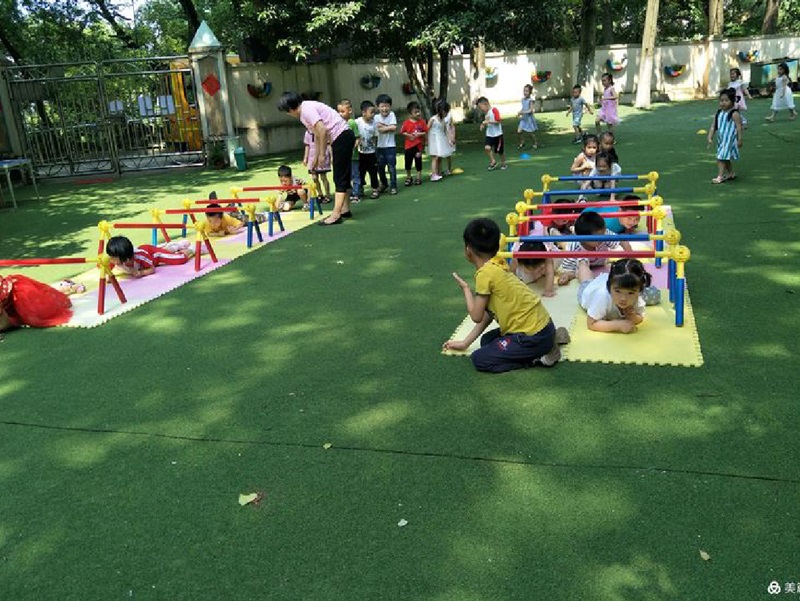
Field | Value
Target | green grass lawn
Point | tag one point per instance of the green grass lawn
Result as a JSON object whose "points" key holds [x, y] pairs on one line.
{"points": [[123, 448]]}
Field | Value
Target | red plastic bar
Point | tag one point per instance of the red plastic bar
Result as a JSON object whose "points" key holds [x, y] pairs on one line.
{"points": [[596, 203], [197, 255], [210, 249], [553, 216], [605, 254], [223, 200], [262, 188], [146, 226], [65, 260], [188, 211], [101, 294]]}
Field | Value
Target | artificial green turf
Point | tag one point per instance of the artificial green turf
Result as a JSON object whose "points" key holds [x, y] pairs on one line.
{"points": [[123, 448]]}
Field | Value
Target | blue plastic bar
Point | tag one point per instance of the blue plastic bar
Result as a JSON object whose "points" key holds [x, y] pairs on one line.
{"points": [[589, 191], [249, 234], [270, 223], [659, 248], [671, 272], [155, 237], [680, 285], [258, 231], [185, 221], [583, 178], [576, 238]]}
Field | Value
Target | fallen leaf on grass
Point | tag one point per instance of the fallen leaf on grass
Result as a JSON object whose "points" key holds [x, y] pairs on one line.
{"points": [[253, 498], [327, 446], [402, 523], [704, 556]]}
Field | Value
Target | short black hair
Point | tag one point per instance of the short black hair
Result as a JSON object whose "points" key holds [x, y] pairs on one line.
{"points": [[577, 87], [483, 237], [532, 247], [120, 248], [730, 93], [214, 205], [628, 274], [384, 99], [413, 106], [284, 171], [366, 105], [590, 138], [481, 99], [289, 101], [563, 210], [589, 223]]}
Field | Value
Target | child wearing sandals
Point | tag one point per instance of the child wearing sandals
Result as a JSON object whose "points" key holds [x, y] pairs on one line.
{"points": [[441, 139], [414, 130], [727, 125], [291, 197], [613, 301]]}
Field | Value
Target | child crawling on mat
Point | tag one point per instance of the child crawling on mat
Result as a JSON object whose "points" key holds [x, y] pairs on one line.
{"points": [[533, 270], [143, 260], [589, 223], [222, 223], [613, 301], [526, 336]]}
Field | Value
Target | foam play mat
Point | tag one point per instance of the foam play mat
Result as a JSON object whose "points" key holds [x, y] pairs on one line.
{"points": [[139, 291]]}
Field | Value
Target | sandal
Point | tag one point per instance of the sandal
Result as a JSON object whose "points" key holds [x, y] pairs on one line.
{"points": [[409, 182], [375, 194], [731, 176], [719, 179], [417, 182]]}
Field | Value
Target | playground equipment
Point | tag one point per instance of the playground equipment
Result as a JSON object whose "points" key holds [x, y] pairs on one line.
{"points": [[314, 203], [519, 223]]}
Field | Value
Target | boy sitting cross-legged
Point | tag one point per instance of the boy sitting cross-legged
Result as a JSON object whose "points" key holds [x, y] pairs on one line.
{"points": [[526, 336]]}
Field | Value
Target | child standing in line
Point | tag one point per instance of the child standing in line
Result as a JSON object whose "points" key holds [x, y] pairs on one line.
{"points": [[527, 122], [345, 110], [782, 98], [413, 130], [289, 198], [493, 143], [439, 139], [577, 105], [741, 93], [607, 145], [608, 104], [613, 301], [320, 173], [584, 162], [526, 336], [589, 223], [144, 260], [367, 146], [728, 126], [386, 122]]}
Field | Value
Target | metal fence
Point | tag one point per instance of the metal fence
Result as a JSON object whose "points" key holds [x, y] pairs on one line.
{"points": [[107, 117]]}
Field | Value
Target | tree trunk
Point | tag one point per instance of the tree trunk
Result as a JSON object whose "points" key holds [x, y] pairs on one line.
{"points": [[192, 19], [416, 83], [715, 18], [12, 50], [444, 72], [588, 41], [122, 34], [607, 23], [770, 23], [646, 57]]}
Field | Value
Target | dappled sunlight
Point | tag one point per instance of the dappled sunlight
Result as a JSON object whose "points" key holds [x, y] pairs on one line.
{"points": [[773, 350], [378, 418], [641, 578], [84, 452], [10, 386]]}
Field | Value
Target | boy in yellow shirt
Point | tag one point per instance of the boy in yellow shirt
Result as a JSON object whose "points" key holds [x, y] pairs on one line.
{"points": [[526, 336], [222, 224]]}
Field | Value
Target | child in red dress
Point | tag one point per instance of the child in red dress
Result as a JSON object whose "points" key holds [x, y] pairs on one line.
{"points": [[26, 302]]}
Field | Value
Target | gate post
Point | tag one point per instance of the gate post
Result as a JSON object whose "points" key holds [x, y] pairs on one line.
{"points": [[12, 141], [207, 58]]}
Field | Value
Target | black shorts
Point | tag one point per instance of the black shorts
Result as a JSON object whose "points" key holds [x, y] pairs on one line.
{"points": [[496, 144], [342, 151]]}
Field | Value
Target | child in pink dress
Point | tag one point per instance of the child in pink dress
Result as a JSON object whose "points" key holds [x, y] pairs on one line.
{"points": [[608, 105]]}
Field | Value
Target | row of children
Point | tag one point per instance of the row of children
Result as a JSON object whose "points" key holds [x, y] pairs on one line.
{"points": [[526, 336]]}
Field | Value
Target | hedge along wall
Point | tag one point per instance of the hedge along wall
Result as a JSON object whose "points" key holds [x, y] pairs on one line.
{"points": [[262, 129]]}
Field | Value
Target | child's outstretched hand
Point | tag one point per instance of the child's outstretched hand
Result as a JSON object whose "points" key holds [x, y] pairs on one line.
{"points": [[455, 345], [565, 278], [460, 281], [626, 326]]}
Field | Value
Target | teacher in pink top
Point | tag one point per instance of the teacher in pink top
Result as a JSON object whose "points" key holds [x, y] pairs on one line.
{"points": [[327, 127]]}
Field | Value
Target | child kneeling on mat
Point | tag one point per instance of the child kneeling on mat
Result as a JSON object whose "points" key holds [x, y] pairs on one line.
{"points": [[144, 260], [526, 336], [613, 301]]}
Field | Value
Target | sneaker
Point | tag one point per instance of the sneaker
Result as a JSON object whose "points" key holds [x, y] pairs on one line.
{"points": [[503, 167], [382, 189], [435, 177], [562, 336], [492, 167], [577, 141], [393, 191], [448, 172], [551, 358], [355, 199]]}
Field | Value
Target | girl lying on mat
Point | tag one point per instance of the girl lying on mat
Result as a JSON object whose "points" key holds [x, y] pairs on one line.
{"points": [[613, 301], [26, 302], [144, 260]]}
